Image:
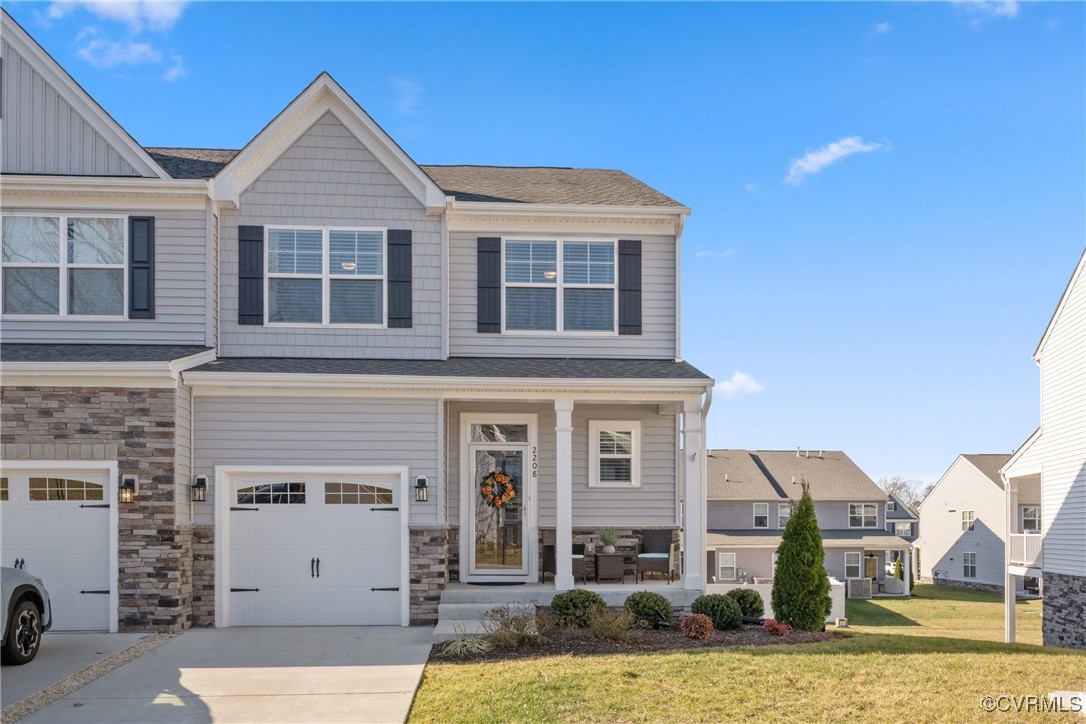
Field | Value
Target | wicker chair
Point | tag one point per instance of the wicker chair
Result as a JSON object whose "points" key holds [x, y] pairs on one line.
{"points": [[656, 554], [550, 563]]}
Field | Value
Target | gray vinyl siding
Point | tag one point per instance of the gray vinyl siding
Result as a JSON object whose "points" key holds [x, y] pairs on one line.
{"points": [[183, 452], [739, 515], [181, 289], [758, 562], [833, 515], [44, 134], [213, 281], [653, 504], [320, 431], [834, 562], [328, 178], [657, 340]]}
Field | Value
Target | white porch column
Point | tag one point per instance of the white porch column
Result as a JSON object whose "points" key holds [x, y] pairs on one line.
{"points": [[1009, 582], [563, 524], [907, 569], [693, 495]]}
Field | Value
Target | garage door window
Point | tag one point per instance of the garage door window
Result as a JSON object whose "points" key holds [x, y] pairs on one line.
{"points": [[63, 489], [273, 494], [355, 494], [3, 488]]}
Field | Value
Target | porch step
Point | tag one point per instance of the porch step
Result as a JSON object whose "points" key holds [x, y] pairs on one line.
{"points": [[468, 619], [450, 630], [464, 611], [492, 598]]}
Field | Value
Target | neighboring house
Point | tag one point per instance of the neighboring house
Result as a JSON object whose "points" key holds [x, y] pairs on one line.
{"points": [[902, 521], [750, 498], [268, 386], [1054, 459], [963, 524]]}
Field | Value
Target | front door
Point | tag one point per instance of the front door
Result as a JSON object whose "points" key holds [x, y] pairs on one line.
{"points": [[500, 465]]}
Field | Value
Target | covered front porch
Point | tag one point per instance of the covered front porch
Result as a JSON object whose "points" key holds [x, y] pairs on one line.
{"points": [[1024, 551]]}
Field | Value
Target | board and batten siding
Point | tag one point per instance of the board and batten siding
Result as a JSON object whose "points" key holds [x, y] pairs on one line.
{"points": [[328, 178], [942, 540], [657, 340], [44, 134], [181, 289], [320, 431], [652, 504]]}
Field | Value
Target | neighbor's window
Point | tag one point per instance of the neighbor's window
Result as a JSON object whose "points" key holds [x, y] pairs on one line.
{"points": [[615, 453], [969, 565], [969, 518], [784, 512], [1031, 519], [863, 515], [852, 565], [326, 276], [761, 515], [727, 566], [553, 285], [903, 529], [71, 266], [891, 506]]}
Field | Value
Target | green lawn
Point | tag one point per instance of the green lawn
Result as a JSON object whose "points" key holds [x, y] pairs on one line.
{"points": [[916, 660]]}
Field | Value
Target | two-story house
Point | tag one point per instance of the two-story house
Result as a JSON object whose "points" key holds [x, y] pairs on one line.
{"points": [[311, 381], [750, 497], [1050, 470], [902, 521]]}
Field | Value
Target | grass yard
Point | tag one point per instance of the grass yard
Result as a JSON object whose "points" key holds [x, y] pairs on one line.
{"points": [[917, 660]]}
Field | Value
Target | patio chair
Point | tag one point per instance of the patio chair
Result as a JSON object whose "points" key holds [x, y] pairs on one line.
{"points": [[656, 554], [550, 564]]}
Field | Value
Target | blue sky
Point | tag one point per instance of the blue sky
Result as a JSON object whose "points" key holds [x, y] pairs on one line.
{"points": [[888, 199]]}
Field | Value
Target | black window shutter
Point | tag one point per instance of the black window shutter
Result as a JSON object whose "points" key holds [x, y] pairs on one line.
{"points": [[250, 275], [141, 267], [399, 278], [629, 287], [489, 304]]}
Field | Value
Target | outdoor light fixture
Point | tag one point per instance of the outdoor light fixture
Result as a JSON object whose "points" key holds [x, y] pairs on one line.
{"points": [[422, 493], [199, 489], [127, 490]]}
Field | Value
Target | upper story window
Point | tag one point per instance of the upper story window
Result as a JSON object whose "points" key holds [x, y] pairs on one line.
{"points": [[326, 276], [761, 515], [969, 519], [1031, 519], [905, 529], [863, 515], [784, 512], [67, 266], [616, 454], [559, 286], [891, 506]]}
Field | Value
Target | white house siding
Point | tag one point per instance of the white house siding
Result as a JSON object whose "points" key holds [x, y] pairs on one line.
{"points": [[181, 288], [320, 431], [653, 504], [942, 541], [328, 178], [657, 340], [44, 134]]}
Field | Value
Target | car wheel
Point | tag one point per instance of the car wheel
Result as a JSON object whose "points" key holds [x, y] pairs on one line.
{"points": [[24, 634]]}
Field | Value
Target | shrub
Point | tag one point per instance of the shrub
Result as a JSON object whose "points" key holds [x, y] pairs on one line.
{"points": [[576, 608], [801, 588], [899, 574], [648, 609], [776, 628], [722, 610], [513, 626], [697, 626], [750, 601], [610, 627], [466, 645]]}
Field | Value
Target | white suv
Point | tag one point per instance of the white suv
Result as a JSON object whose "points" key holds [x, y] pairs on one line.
{"points": [[27, 615]]}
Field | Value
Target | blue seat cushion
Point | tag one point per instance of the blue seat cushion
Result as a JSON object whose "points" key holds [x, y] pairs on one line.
{"points": [[652, 555], [577, 556]]}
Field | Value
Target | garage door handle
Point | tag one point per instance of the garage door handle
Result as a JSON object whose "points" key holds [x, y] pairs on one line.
{"points": [[318, 568], [19, 563], [106, 591], [312, 561]]}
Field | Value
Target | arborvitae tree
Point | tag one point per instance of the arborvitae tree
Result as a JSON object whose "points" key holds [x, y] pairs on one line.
{"points": [[899, 574], [801, 588]]}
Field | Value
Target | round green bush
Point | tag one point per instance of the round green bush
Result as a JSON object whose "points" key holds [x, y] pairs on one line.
{"points": [[750, 601], [722, 610], [648, 608], [577, 608]]}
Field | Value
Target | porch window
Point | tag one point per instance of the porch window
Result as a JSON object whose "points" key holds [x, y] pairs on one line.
{"points": [[784, 512], [553, 285], [969, 519], [1031, 519], [761, 515], [616, 454], [727, 566], [969, 565], [862, 515], [852, 565]]}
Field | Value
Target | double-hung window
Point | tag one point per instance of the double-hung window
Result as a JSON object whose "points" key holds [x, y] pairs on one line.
{"points": [[969, 519], [727, 566], [761, 515], [969, 565], [553, 285], [68, 266], [852, 565], [784, 512], [862, 515], [1031, 519], [615, 454], [326, 276]]}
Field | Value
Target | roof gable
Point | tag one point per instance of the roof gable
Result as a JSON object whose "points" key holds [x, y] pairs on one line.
{"points": [[989, 465], [1072, 285]]}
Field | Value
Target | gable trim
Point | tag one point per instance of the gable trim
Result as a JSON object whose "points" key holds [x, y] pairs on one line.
{"points": [[1075, 278]]}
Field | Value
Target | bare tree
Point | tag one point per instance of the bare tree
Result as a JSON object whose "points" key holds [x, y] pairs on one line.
{"points": [[909, 492]]}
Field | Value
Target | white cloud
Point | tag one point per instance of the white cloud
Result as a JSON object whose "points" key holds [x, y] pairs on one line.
{"points": [[982, 10], [750, 188], [703, 254], [740, 384], [882, 28], [408, 93], [152, 14], [175, 71], [101, 52], [829, 154], [726, 252]]}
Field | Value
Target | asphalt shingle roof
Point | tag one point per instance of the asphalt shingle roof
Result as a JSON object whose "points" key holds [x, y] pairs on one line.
{"points": [[734, 475], [97, 352], [989, 464], [833, 476], [191, 163], [900, 512]]}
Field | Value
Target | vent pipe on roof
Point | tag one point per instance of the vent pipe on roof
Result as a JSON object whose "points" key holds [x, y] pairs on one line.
{"points": [[819, 454], [793, 480], [797, 451], [725, 477], [806, 453]]}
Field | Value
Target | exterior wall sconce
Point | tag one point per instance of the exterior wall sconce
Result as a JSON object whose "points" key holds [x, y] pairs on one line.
{"points": [[126, 492], [199, 489], [422, 491]]}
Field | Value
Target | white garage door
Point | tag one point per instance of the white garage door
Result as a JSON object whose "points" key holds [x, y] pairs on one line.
{"points": [[56, 524], [314, 550]]}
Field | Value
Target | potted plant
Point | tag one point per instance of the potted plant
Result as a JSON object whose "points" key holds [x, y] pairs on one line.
{"points": [[609, 536]]}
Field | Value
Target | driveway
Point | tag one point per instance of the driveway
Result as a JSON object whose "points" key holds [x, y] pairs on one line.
{"points": [[311, 674]]}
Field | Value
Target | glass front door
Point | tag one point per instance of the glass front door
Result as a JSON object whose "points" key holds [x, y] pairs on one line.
{"points": [[499, 509]]}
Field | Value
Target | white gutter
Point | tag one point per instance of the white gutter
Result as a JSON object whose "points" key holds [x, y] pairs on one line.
{"points": [[102, 185], [518, 209], [117, 370]]}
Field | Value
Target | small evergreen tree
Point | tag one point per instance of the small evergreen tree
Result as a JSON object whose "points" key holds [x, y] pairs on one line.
{"points": [[898, 573], [801, 588]]}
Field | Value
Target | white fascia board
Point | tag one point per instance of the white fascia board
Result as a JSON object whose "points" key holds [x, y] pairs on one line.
{"points": [[1014, 468], [100, 193], [565, 218], [465, 208], [74, 94], [1076, 277]]}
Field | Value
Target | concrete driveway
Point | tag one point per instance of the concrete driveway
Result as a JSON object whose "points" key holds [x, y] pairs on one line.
{"points": [[311, 674]]}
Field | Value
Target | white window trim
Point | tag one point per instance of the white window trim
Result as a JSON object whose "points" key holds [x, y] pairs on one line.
{"points": [[965, 564], [972, 520], [1022, 519], [891, 506], [720, 565], [858, 564], [863, 515], [326, 278], [559, 286], [754, 517], [595, 427], [62, 267], [787, 507]]}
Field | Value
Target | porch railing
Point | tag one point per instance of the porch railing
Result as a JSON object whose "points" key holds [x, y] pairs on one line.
{"points": [[1026, 550]]}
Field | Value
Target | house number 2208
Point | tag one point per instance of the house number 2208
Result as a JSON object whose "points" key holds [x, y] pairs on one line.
{"points": [[535, 462]]}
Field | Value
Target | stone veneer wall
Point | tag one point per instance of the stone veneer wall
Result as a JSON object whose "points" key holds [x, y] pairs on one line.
{"points": [[454, 553], [956, 583], [135, 427], [429, 561], [1064, 610], [203, 576]]}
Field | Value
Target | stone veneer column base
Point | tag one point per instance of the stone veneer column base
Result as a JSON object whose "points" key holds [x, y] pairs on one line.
{"points": [[203, 576], [1064, 610], [429, 562]]}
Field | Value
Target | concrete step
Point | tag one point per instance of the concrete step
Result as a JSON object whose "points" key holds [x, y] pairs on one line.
{"points": [[464, 611], [454, 629], [498, 597]]}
